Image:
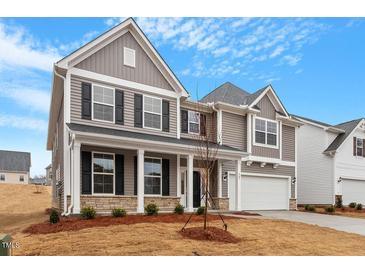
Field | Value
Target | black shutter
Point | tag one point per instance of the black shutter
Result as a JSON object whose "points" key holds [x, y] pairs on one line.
{"points": [[86, 101], [355, 146], [119, 107], [165, 115], [184, 121], [165, 177], [119, 174], [86, 172], [138, 110], [135, 175], [203, 124], [363, 147]]}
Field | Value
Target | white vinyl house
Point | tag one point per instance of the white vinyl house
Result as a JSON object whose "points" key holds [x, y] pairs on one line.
{"points": [[331, 162]]}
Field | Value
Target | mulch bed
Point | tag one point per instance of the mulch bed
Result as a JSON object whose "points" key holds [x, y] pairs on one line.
{"points": [[338, 210], [210, 234], [76, 223], [244, 213]]}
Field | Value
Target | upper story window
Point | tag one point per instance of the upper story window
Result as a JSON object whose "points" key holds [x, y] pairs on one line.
{"points": [[103, 173], [152, 112], [2, 177], [359, 147], [266, 132], [103, 103], [194, 122], [152, 176], [129, 57]]}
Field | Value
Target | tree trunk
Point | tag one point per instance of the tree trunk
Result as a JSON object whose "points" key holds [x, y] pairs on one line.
{"points": [[206, 200]]}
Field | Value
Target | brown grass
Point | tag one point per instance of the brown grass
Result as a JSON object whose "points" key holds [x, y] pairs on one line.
{"points": [[258, 237], [20, 206]]}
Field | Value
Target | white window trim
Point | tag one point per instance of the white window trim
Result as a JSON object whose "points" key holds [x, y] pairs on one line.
{"points": [[152, 176], [126, 49], [190, 132], [151, 112], [362, 147], [111, 105], [92, 174], [254, 133]]}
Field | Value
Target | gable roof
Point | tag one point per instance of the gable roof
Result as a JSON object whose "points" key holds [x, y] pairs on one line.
{"points": [[311, 120], [348, 127], [14, 161]]}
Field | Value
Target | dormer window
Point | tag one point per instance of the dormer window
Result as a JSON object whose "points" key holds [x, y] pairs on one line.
{"points": [[129, 57], [266, 132], [359, 147]]}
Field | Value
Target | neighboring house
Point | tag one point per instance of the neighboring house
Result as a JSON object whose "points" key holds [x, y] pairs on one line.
{"points": [[39, 180], [49, 175], [331, 162], [14, 167], [123, 134]]}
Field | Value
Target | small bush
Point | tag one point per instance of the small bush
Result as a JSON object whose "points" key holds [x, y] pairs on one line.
{"points": [[119, 212], [151, 209], [339, 203], [200, 210], [54, 217], [179, 209], [352, 205], [330, 209], [359, 206], [88, 212], [310, 208]]}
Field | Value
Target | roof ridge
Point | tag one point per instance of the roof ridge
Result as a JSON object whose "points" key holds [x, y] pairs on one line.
{"points": [[350, 121], [16, 151]]}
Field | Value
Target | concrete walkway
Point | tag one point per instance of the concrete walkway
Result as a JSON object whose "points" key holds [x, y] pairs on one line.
{"points": [[346, 224]]}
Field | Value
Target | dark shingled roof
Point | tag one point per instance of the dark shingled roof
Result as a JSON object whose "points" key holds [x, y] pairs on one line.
{"points": [[138, 135], [14, 161], [311, 120], [348, 127]]}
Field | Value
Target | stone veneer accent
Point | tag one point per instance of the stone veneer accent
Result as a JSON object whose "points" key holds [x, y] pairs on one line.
{"points": [[221, 203], [167, 203], [293, 204]]}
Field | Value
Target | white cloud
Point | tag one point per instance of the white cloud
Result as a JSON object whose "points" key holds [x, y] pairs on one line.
{"points": [[221, 51], [292, 60], [87, 37], [240, 22], [113, 21], [277, 51], [22, 122], [17, 48]]}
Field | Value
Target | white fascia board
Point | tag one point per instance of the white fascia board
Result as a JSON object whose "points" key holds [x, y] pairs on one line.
{"points": [[242, 110], [156, 146], [121, 82], [289, 121], [268, 160], [330, 129]]}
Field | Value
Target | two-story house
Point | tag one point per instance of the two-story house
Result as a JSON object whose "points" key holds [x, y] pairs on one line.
{"points": [[123, 133], [331, 162]]}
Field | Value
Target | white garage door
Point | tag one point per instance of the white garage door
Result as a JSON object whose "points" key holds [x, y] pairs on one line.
{"points": [[260, 193], [353, 191]]}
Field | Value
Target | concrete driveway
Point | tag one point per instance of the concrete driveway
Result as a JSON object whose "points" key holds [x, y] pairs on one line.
{"points": [[346, 224]]}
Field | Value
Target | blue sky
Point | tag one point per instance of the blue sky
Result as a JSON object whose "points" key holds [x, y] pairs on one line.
{"points": [[316, 65]]}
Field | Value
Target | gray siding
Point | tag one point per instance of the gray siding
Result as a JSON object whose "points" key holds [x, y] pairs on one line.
{"points": [[255, 168], [109, 61], [211, 127], [267, 109], [128, 110], [234, 130], [129, 166], [288, 143]]}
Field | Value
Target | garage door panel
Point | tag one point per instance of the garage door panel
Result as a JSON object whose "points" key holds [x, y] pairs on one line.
{"points": [[353, 191], [261, 193]]}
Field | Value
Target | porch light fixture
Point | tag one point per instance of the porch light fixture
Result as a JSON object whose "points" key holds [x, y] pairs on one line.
{"points": [[293, 180], [339, 180]]}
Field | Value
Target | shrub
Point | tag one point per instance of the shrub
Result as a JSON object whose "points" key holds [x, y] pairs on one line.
{"points": [[151, 209], [54, 217], [330, 209], [200, 210], [179, 209], [310, 208], [352, 205], [119, 212], [359, 206], [88, 212], [339, 203]]}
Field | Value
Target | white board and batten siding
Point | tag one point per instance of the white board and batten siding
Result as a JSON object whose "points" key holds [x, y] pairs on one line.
{"points": [[315, 169]]}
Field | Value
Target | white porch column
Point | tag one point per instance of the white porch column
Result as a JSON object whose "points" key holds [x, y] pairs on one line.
{"points": [[140, 181], [76, 178], [238, 185], [219, 179], [190, 168], [178, 176]]}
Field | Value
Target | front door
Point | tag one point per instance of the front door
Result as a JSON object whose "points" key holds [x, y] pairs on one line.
{"points": [[196, 189]]}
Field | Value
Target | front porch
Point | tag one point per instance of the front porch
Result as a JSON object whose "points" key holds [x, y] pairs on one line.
{"points": [[115, 173]]}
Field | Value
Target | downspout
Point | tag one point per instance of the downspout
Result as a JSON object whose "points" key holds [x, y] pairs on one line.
{"points": [[70, 146], [219, 134]]}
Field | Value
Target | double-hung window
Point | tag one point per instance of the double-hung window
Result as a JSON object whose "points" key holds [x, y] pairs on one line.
{"points": [[194, 122], [21, 178], [152, 116], [152, 176], [103, 103], [103, 173], [359, 147], [266, 132], [2, 177]]}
